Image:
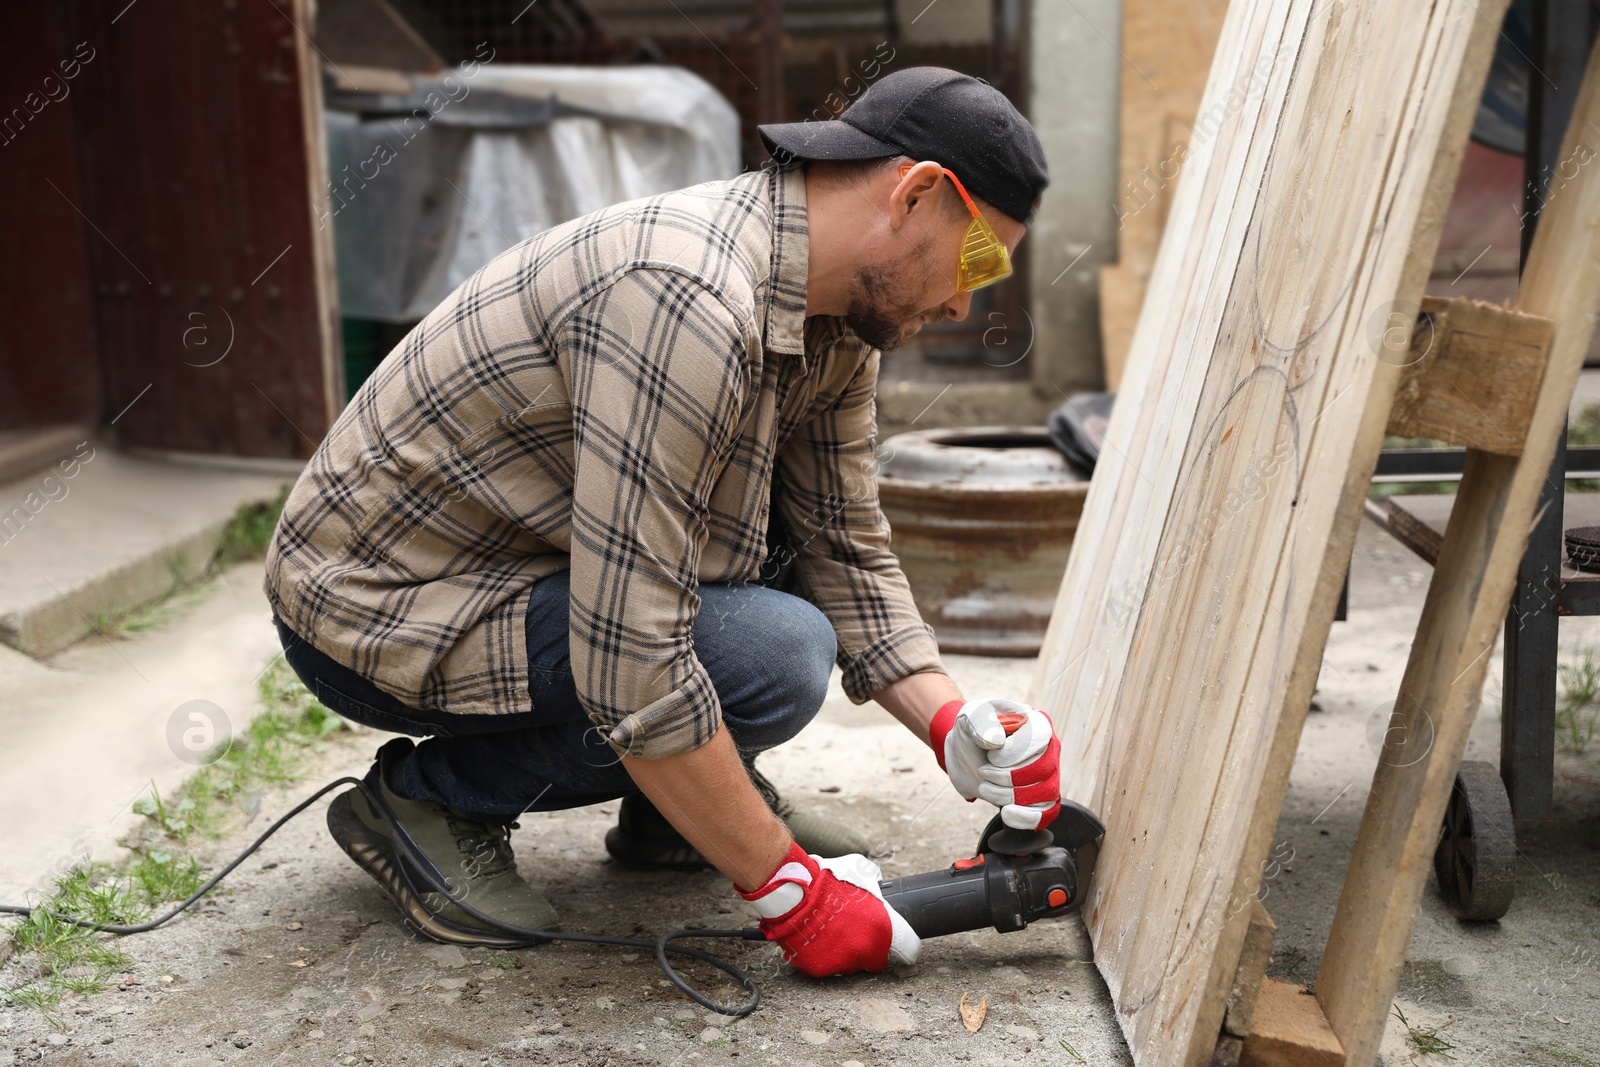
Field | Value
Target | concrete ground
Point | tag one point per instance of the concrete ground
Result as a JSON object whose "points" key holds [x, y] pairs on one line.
{"points": [[302, 960]]}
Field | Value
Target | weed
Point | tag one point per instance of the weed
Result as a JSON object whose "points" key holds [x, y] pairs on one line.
{"points": [[1070, 1051], [178, 567], [62, 957], [249, 531], [1567, 1055], [1578, 711], [270, 751], [1290, 960], [57, 957], [1425, 1040], [506, 961], [161, 876], [245, 537], [65, 957]]}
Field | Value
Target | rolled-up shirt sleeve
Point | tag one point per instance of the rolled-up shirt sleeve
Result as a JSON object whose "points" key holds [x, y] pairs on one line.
{"points": [[658, 371], [828, 493]]}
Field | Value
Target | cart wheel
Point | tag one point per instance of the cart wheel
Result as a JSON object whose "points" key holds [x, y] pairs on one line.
{"points": [[1476, 861]]}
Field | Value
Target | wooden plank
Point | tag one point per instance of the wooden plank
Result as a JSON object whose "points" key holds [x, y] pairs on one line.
{"points": [[1471, 375], [1419, 528], [1252, 971], [1461, 619], [1368, 443], [354, 79], [1290, 1031], [1181, 622], [1335, 560]]}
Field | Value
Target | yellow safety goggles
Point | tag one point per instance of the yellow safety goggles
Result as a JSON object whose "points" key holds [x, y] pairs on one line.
{"points": [[984, 259]]}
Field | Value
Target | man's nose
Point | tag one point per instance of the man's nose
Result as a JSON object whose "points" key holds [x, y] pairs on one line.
{"points": [[957, 306]]}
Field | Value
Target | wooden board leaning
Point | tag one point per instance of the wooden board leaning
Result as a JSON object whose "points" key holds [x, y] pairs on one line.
{"points": [[1191, 621]]}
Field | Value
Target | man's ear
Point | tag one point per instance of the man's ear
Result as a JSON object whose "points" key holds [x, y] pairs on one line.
{"points": [[918, 190]]}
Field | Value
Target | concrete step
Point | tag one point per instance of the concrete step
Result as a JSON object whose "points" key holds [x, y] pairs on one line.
{"points": [[22, 452], [103, 533]]}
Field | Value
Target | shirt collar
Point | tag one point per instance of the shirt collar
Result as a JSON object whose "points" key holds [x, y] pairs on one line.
{"points": [[786, 305]]}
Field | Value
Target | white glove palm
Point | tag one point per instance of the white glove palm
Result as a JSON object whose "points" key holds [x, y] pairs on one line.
{"points": [[1019, 773]]}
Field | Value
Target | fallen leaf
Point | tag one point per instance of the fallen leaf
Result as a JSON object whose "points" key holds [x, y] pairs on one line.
{"points": [[972, 1015]]}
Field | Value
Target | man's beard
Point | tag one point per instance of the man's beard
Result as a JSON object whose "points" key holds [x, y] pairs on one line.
{"points": [[879, 309]]}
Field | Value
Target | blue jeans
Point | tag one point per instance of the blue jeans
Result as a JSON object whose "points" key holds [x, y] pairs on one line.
{"points": [[768, 654]]}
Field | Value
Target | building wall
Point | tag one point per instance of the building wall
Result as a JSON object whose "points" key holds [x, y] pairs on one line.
{"points": [[1073, 103]]}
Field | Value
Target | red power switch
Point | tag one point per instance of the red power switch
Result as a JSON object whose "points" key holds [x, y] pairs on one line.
{"points": [[1057, 897]]}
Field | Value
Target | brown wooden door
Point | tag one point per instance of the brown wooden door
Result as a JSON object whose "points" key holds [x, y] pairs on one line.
{"points": [[49, 365], [201, 154]]}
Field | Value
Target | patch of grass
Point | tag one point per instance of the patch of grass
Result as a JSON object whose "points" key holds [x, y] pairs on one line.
{"points": [[1578, 710], [1289, 961], [56, 958], [1385, 490], [1070, 1051], [1567, 1055], [506, 961], [59, 957], [1584, 429], [270, 751], [249, 531], [160, 876], [1425, 1040], [244, 538]]}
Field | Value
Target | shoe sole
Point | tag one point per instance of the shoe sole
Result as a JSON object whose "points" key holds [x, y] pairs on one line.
{"points": [[376, 855], [653, 853]]}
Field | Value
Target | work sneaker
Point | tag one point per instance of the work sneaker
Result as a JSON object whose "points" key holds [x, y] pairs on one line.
{"points": [[422, 848], [644, 838]]}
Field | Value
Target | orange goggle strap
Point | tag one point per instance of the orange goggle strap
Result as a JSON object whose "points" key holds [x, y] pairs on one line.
{"points": [[984, 259]]}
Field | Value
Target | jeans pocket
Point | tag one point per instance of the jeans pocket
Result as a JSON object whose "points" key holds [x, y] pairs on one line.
{"points": [[367, 715]]}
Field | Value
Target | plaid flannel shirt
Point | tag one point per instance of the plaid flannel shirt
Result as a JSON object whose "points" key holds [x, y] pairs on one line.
{"points": [[616, 396]]}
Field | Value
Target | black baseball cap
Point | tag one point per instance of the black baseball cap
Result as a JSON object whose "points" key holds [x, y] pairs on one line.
{"points": [[958, 121]]}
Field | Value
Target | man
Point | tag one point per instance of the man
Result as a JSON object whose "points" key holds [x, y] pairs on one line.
{"points": [[539, 535]]}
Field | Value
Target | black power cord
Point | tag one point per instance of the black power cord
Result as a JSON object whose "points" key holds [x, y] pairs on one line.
{"points": [[662, 945]]}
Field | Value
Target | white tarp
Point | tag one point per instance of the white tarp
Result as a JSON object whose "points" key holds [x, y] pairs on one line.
{"points": [[422, 199]]}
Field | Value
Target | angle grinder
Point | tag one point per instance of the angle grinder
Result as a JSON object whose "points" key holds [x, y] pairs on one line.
{"points": [[1013, 878], [1003, 889]]}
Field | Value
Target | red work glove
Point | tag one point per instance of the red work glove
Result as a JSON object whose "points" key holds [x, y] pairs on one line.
{"points": [[829, 916], [1020, 772]]}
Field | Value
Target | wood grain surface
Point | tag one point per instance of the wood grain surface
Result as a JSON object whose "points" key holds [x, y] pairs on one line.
{"points": [[1192, 616]]}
